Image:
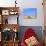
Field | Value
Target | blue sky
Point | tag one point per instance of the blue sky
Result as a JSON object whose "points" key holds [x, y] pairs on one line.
{"points": [[29, 11]]}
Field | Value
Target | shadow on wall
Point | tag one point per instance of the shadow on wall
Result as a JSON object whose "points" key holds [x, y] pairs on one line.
{"points": [[37, 29]]}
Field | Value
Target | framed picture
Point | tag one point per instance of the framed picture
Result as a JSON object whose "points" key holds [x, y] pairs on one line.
{"points": [[13, 12], [29, 13], [5, 12]]}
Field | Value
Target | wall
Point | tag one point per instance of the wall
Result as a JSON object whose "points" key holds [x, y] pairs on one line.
{"points": [[39, 21], [33, 22]]}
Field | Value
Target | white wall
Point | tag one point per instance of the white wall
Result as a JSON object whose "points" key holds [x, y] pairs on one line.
{"points": [[6, 3], [26, 4], [33, 22]]}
